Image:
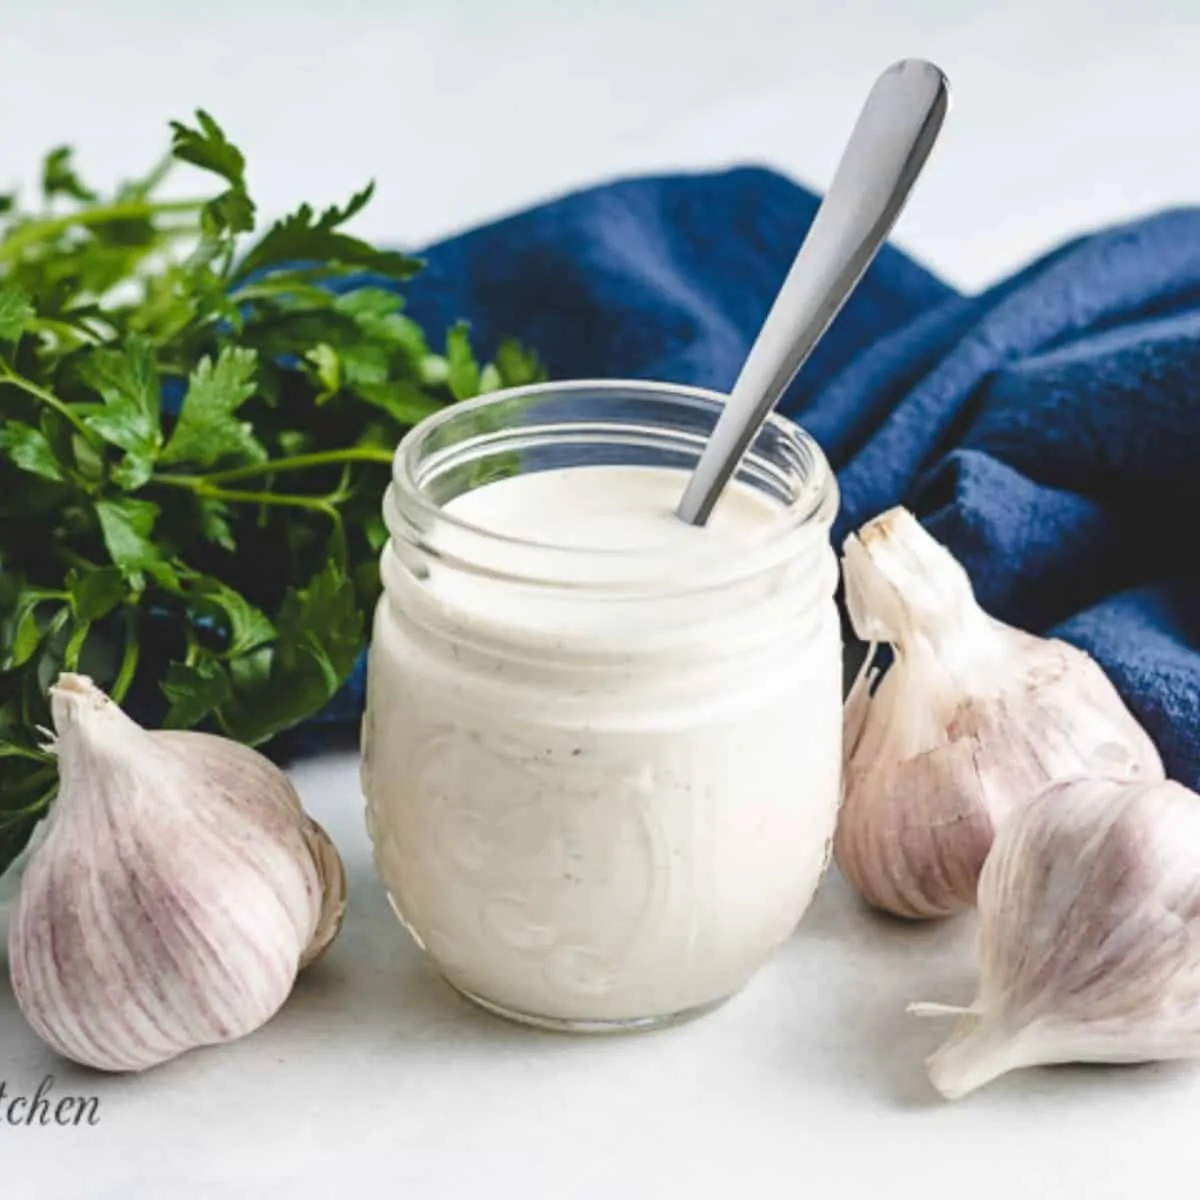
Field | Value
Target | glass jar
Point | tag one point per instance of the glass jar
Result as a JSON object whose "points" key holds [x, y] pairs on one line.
{"points": [[601, 783]]}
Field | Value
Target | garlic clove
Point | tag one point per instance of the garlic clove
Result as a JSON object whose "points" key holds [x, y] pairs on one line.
{"points": [[972, 718], [920, 852], [980, 1051], [902, 585], [173, 896], [250, 778], [332, 875], [1089, 907]]}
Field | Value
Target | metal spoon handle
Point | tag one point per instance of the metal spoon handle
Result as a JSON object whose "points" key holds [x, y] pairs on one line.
{"points": [[889, 145]]}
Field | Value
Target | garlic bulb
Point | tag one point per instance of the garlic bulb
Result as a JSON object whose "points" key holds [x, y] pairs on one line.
{"points": [[1089, 907], [177, 891], [972, 718]]}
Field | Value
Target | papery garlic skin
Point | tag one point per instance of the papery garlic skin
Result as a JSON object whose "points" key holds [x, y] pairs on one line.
{"points": [[175, 894], [1089, 907], [973, 718]]}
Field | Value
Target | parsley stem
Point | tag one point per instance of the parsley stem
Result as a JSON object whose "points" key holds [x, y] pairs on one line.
{"points": [[280, 499], [129, 657], [12, 750], [65, 329], [8, 375], [193, 646], [75, 645], [12, 816], [297, 462], [44, 230], [34, 777]]}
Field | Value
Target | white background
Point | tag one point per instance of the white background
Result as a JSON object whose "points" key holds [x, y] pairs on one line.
{"points": [[375, 1080], [1067, 113]]}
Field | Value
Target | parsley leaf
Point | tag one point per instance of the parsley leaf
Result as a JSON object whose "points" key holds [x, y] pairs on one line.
{"points": [[321, 623], [29, 449], [516, 365], [15, 313], [214, 523], [208, 148], [25, 636], [401, 399], [304, 237], [127, 381], [320, 637], [207, 431], [247, 627], [195, 690], [126, 525], [328, 369], [463, 370], [368, 305], [377, 314], [59, 177], [232, 210], [95, 593]]}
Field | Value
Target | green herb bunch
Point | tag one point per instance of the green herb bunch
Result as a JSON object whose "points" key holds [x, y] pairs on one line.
{"points": [[197, 426]]}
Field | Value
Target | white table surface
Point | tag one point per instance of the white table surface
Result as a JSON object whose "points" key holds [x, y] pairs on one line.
{"points": [[376, 1079]]}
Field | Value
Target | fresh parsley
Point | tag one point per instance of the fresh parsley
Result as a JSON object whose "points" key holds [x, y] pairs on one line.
{"points": [[197, 424]]}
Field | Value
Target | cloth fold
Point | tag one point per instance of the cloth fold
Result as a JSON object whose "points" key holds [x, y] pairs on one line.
{"points": [[1047, 429]]}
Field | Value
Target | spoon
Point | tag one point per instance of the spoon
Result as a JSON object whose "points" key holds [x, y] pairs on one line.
{"points": [[887, 149]]}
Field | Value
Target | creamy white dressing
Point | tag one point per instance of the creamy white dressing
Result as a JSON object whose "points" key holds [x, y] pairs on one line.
{"points": [[611, 508], [593, 805]]}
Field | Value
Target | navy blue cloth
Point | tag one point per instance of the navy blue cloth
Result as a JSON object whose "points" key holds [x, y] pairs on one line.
{"points": [[1047, 430]]}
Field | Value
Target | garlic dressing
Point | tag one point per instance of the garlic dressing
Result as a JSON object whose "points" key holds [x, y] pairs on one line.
{"points": [[602, 746]]}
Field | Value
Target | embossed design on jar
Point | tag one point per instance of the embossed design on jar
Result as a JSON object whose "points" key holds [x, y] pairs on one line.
{"points": [[507, 918], [578, 969], [561, 858]]}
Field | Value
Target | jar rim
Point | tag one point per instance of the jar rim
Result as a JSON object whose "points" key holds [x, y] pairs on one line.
{"points": [[818, 497]]}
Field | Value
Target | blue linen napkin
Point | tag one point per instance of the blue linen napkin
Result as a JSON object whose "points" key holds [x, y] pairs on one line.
{"points": [[1047, 430]]}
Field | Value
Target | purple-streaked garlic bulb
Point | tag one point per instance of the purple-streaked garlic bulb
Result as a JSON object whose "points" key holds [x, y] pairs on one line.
{"points": [[971, 720], [1089, 944], [178, 890]]}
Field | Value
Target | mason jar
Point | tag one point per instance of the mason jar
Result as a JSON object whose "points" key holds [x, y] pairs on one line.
{"points": [[601, 776]]}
